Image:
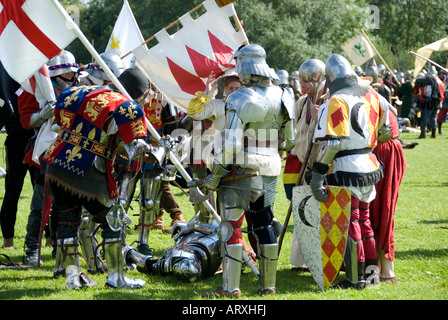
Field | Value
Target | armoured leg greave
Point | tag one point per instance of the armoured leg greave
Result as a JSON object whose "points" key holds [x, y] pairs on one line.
{"points": [[116, 277], [89, 243], [231, 266], [267, 257], [70, 259], [59, 267], [127, 189], [267, 247], [354, 270], [149, 207], [136, 260]]}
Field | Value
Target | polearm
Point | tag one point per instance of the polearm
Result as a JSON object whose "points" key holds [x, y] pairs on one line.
{"points": [[429, 60], [149, 126], [301, 173], [299, 182]]}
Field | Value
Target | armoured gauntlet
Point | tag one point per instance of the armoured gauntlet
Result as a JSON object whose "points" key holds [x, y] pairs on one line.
{"points": [[385, 134], [212, 180], [137, 148], [38, 118], [317, 181]]}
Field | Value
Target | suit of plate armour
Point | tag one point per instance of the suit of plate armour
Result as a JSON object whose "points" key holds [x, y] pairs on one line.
{"points": [[254, 118]]}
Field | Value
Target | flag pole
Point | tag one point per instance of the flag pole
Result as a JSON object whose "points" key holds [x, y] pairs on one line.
{"points": [[116, 82], [379, 55], [166, 28], [429, 60], [149, 125]]}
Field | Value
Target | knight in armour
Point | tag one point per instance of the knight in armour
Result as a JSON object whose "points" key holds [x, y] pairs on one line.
{"points": [[349, 126], [258, 125]]}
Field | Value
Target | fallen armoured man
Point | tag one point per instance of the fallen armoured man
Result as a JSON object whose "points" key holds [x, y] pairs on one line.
{"points": [[195, 254]]}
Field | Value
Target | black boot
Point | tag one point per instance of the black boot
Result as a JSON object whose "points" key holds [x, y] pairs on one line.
{"points": [[348, 283], [422, 132], [439, 125], [433, 132], [32, 258]]}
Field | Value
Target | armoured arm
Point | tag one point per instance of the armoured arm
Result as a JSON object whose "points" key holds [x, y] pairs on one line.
{"points": [[233, 141], [287, 136], [39, 117], [136, 149], [320, 169], [232, 144]]}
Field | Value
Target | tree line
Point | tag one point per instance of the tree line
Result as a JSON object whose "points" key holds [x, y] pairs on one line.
{"points": [[291, 31]]}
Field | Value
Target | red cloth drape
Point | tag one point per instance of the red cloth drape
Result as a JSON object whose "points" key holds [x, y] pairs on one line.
{"points": [[382, 208]]}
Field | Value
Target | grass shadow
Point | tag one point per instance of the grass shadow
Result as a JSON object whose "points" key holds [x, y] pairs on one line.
{"points": [[421, 254], [434, 221]]}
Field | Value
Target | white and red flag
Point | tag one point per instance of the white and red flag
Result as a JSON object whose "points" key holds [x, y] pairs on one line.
{"points": [[179, 64], [31, 33]]}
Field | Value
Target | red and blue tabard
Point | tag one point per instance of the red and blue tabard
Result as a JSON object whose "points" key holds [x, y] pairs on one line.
{"points": [[82, 113]]}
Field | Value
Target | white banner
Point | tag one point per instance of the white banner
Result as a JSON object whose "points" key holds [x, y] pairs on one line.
{"points": [[179, 64], [125, 36], [358, 49]]}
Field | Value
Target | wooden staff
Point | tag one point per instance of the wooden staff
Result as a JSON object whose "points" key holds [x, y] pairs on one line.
{"points": [[301, 174], [299, 182]]}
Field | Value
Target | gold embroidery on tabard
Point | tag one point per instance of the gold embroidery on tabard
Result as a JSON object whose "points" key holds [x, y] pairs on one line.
{"points": [[71, 98], [97, 104], [137, 128], [66, 118], [88, 144], [94, 107], [130, 112], [73, 154]]}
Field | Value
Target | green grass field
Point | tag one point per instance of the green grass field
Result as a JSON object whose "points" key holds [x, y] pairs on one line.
{"points": [[421, 263]]}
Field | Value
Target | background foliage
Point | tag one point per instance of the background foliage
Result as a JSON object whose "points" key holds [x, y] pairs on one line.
{"points": [[291, 31]]}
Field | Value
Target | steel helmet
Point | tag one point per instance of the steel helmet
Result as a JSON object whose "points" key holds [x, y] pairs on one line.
{"points": [[64, 62], [312, 70], [283, 76], [114, 63], [371, 70], [337, 67], [251, 59]]}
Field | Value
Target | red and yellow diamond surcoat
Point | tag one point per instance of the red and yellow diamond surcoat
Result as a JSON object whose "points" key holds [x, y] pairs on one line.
{"points": [[355, 121]]}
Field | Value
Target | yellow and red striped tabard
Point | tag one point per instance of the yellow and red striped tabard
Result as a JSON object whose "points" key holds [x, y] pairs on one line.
{"points": [[338, 119]]}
